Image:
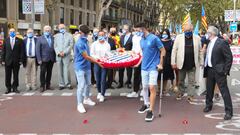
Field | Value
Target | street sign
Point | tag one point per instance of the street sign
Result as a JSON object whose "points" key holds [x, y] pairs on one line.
{"points": [[38, 6], [233, 27], [229, 15]]}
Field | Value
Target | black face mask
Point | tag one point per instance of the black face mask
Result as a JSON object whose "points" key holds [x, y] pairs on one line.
{"points": [[113, 33]]}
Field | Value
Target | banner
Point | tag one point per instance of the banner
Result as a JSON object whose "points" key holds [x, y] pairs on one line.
{"points": [[229, 15], [38, 6], [236, 55]]}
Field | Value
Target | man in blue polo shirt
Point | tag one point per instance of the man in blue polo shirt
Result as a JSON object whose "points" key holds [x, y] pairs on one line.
{"points": [[153, 53], [82, 65]]}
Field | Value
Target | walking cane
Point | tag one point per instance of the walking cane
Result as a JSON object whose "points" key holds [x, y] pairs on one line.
{"points": [[161, 91], [160, 96]]}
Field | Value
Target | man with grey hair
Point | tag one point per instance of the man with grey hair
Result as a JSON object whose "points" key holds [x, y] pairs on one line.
{"points": [[186, 57], [218, 63], [46, 57], [30, 60], [63, 43]]}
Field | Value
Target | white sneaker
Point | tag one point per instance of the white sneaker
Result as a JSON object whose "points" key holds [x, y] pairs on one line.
{"points": [[101, 99], [132, 95], [88, 101], [141, 93], [81, 108], [99, 95]]}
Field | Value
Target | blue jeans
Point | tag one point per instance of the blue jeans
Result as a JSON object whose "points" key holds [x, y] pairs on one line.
{"points": [[100, 76], [84, 83]]}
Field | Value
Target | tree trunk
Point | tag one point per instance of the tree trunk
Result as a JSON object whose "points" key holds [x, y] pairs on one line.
{"points": [[99, 19]]}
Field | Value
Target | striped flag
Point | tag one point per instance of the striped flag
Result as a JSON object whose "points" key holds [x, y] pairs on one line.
{"points": [[196, 30], [204, 19], [187, 20]]}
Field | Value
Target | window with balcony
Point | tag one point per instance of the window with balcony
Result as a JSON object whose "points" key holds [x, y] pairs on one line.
{"points": [[61, 15], [72, 2], [38, 18], [94, 5], [80, 3], [71, 16], [88, 4], [80, 17], [21, 16], [88, 19], [3, 8], [62, 1]]}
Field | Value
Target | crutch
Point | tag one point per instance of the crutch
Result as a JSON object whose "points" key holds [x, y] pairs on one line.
{"points": [[160, 96]]}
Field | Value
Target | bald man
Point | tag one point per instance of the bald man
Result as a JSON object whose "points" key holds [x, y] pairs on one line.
{"points": [[30, 60], [12, 59], [186, 57], [63, 43]]}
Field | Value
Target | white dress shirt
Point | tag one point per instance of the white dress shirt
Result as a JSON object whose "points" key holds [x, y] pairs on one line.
{"points": [[136, 44], [99, 50], [208, 61], [12, 41], [33, 47]]}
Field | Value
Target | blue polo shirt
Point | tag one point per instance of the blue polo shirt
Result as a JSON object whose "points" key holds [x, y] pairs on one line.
{"points": [[80, 63], [151, 54]]}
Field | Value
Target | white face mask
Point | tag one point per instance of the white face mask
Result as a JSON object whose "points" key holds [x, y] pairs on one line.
{"points": [[208, 35]]}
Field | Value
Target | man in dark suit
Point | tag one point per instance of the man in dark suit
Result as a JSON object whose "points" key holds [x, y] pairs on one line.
{"points": [[30, 60], [126, 43], [46, 57], [218, 63], [12, 59]]}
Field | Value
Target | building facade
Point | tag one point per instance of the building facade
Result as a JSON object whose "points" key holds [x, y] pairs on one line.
{"points": [[75, 12]]}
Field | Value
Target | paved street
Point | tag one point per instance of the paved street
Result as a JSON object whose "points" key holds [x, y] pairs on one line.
{"points": [[54, 112]]}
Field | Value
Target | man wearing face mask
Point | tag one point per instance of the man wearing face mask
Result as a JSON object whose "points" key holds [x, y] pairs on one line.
{"points": [[218, 63], [30, 60], [126, 43], [153, 53], [63, 43], [46, 57], [12, 59], [186, 56]]}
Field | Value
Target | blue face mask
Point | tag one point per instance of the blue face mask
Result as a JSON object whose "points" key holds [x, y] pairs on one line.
{"points": [[124, 32], [62, 30], [95, 34], [164, 36], [12, 34], [188, 33], [101, 38], [46, 34], [140, 34], [30, 35]]}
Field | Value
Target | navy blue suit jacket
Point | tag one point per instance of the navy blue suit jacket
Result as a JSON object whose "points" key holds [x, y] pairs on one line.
{"points": [[44, 52]]}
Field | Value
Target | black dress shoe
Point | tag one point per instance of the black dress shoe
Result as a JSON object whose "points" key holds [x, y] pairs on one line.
{"points": [[16, 90], [70, 87], [61, 88], [207, 109], [49, 88], [42, 89], [8, 91], [119, 86], [227, 117]]}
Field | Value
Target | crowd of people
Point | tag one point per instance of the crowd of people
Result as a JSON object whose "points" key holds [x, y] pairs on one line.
{"points": [[175, 56]]}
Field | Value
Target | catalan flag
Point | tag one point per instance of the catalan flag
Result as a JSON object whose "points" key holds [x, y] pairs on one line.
{"points": [[204, 19], [187, 19]]}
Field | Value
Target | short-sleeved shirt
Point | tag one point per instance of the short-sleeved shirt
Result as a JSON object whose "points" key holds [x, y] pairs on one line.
{"points": [[80, 63], [151, 46]]}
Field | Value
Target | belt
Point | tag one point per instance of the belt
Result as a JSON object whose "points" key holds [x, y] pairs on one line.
{"points": [[31, 57]]}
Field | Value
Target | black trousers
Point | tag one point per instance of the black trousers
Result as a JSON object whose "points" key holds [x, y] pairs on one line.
{"points": [[109, 77], [46, 73], [212, 78], [93, 81], [121, 75], [137, 79], [9, 69]]}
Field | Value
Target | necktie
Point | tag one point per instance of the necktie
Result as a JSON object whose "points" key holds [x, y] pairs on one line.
{"points": [[12, 43], [30, 48], [49, 41]]}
